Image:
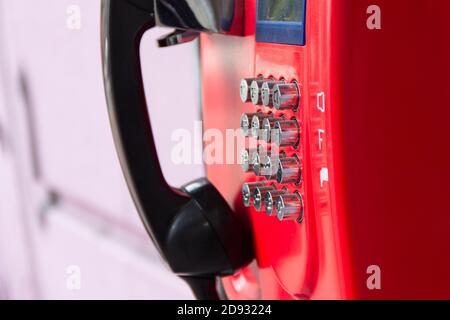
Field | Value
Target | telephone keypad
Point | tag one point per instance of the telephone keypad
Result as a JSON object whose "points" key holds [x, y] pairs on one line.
{"points": [[275, 164]]}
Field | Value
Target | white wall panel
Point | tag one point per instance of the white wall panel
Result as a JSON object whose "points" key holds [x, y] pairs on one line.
{"points": [[110, 268]]}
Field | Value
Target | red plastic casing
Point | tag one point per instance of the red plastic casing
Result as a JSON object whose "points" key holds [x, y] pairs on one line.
{"points": [[380, 99]]}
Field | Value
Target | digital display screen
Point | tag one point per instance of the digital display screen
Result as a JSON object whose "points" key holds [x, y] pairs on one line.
{"points": [[281, 21], [280, 10]]}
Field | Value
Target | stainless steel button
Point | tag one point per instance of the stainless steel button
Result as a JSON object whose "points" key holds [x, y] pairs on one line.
{"points": [[269, 166], [256, 160], [286, 133], [244, 89], [246, 119], [286, 96], [257, 122], [255, 91], [247, 192], [290, 207], [267, 127], [258, 196], [289, 170], [247, 156], [267, 92], [269, 200]]}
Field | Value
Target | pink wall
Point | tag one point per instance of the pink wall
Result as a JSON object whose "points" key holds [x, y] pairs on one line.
{"points": [[56, 140]]}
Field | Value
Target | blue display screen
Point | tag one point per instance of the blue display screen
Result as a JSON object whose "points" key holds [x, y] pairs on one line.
{"points": [[281, 21]]}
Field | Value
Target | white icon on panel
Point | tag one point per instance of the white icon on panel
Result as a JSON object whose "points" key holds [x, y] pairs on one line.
{"points": [[323, 176], [321, 101], [321, 133]]}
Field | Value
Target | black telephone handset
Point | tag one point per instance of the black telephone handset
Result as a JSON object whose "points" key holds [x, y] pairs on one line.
{"points": [[194, 228]]}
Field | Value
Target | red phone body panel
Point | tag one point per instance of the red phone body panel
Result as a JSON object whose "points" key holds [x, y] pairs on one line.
{"points": [[375, 149]]}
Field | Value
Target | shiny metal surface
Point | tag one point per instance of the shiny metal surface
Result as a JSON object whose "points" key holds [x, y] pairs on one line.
{"points": [[217, 16], [286, 133], [247, 191], [244, 90], [258, 196], [177, 37], [269, 200], [286, 96], [267, 127], [256, 162], [247, 157], [290, 207], [267, 92], [289, 170], [255, 91], [257, 123], [246, 120], [269, 166]]}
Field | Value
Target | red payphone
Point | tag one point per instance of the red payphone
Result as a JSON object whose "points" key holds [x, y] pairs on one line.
{"points": [[344, 105]]}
